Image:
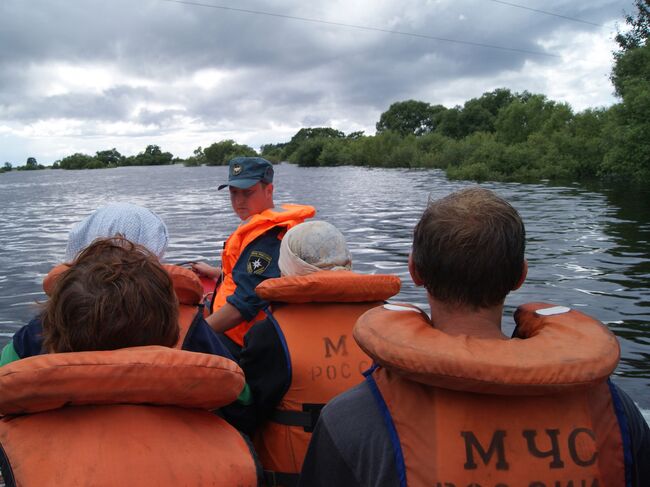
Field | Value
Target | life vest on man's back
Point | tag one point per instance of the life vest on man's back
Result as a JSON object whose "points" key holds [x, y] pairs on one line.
{"points": [[187, 287], [314, 316], [138, 416], [535, 410], [286, 216]]}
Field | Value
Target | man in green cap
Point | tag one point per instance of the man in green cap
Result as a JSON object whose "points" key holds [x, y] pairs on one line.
{"points": [[250, 255]]}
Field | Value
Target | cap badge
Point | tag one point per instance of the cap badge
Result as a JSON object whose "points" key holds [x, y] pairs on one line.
{"points": [[236, 169]]}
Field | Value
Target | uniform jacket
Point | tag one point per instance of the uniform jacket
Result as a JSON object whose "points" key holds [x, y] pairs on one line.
{"points": [[285, 216]]}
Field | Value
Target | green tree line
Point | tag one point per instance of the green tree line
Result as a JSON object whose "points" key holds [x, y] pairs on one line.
{"points": [[217, 154], [30, 165]]}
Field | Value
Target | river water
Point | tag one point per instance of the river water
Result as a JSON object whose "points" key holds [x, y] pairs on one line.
{"points": [[587, 247]]}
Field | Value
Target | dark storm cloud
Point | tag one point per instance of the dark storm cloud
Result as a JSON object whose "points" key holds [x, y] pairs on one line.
{"points": [[112, 105], [155, 35], [293, 70]]}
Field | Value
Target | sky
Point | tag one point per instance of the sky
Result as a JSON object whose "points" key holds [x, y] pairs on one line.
{"points": [[90, 75]]}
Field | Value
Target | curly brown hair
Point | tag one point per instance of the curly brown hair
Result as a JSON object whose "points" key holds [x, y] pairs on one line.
{"points": [[468, 248], [114, 295]]}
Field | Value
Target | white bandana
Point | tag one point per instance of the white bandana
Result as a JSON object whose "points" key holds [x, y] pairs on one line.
{"points": [[135, 223], [313, 246]]}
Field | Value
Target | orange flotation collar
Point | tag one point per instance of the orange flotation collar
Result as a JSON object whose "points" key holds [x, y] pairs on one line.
{"points": [[139, 375], [552, 353], [284, 216], [187, 285], [329, 287]]}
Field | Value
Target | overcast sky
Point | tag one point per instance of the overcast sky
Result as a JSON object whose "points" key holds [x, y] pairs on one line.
{"points": [[83, 76]]}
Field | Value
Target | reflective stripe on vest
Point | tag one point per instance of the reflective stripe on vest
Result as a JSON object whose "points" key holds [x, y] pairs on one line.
{"points": [[286, 216]]}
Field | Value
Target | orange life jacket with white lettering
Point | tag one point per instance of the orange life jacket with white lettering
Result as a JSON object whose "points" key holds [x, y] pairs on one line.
{"points": [[286, 216], [535, 410], [314, 316], [137, 416], [187, 287]]}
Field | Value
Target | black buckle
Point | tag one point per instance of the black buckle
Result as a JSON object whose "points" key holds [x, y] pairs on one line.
{"points": [[282, 479], [314, 412]]}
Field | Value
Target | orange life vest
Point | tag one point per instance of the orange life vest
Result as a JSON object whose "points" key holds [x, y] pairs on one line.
{"points": [[314, 316], [187, 286], [137, 416], [534, 410], [286, 216]]}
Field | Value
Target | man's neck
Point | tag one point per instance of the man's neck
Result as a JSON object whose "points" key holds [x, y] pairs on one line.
{"points": [[251, 216], [467, 320]]}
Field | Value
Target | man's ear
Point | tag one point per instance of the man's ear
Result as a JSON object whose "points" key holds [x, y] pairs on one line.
{"points": [[524, 273], [417, 280]]}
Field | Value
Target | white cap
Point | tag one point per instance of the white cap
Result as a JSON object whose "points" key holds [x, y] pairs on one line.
{"points": [[133, 222]]}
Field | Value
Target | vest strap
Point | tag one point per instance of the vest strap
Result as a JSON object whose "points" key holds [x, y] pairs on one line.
{"points": [[209, 297], [5, 469], [307, 418], [283, 479]]}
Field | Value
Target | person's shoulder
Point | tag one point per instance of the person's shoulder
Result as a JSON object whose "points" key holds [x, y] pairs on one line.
{"points": [[273, 233], [261, 330], [639, 435], [28, 340], [8, 354], [352, 397], [261, 255], [357, 430], [627, 406], [262, 342], [201, 338], [270, 239], [351, 411]]}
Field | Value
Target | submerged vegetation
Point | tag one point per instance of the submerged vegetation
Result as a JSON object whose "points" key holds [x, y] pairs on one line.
{"points": [[500, 135]]}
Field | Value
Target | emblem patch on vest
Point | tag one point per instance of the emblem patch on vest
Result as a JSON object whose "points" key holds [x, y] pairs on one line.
{"points": [[236, 169], [258, 262]]}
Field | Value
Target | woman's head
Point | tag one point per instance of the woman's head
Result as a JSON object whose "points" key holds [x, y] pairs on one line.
{"points": [[133, 222], [313, 246], [114, 295]]}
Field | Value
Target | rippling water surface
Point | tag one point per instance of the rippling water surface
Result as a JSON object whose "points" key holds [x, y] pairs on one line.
{"points": [[587, 247]]}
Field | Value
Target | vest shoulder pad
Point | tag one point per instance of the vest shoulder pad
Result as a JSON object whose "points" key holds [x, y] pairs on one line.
{"points": [[552, 353], [139, 375], [187, 285], [52, 277], [330, 286]]}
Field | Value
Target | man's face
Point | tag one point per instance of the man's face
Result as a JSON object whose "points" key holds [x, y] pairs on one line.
{"points": [[251, 201]]}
